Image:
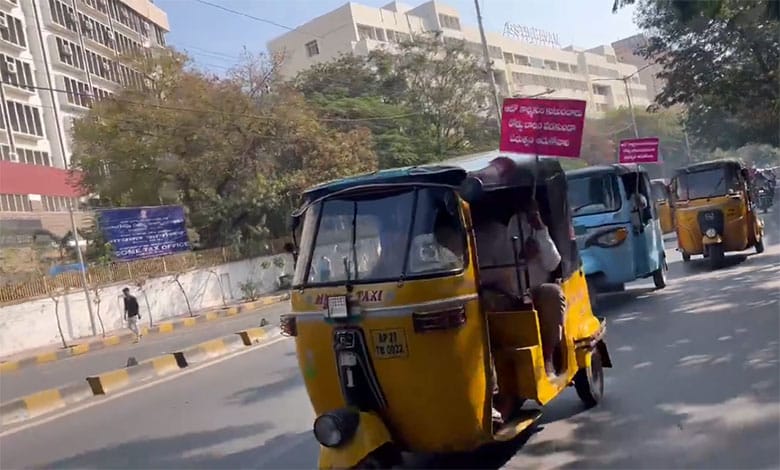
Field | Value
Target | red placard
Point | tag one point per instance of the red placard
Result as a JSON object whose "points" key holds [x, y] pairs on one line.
{"points": [[542, 126], [643, 150]]}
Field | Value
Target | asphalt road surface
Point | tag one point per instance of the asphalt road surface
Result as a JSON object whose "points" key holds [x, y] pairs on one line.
{"points": [[54, 374], [695, 385]]}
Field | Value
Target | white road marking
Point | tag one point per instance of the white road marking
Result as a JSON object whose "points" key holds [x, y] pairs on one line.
{"points": [[108, 398]]}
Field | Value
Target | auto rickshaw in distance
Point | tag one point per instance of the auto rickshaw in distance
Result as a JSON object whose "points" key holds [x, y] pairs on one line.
{"points": [[714, 211], [662, 197], [396, 345]]}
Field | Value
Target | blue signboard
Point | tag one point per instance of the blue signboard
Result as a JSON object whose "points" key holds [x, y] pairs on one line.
{"points": [[144, 232]]}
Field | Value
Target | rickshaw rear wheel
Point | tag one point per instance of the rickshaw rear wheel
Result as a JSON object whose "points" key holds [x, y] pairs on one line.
{"points": [[717, 255], [760, 245], [589, 381], [659, 278], [686, 257]]}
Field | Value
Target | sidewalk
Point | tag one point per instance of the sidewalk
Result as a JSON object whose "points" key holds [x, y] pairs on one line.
{"points": [[82, 346]]}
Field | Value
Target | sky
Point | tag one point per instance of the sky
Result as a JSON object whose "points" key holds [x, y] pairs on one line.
{"points": [[215, 38]]}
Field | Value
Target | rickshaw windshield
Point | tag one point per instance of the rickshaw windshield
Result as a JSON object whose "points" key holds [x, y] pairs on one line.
{"points": [[381, 236], [594, 194], [705, 184], [658, 190]]}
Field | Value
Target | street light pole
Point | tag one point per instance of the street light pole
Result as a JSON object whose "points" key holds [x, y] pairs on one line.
{"points": [[631, 107], [489, 66]]}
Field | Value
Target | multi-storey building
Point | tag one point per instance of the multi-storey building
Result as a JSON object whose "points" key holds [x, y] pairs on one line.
{"points": [[56, 58], [627, 50], [520, 68]]}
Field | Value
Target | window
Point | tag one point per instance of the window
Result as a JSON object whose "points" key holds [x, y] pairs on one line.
{"points": [[96, 31], [25, 119], [15, 203], [370, 32], [550, 65], [5, 153], [63, 15], [102, 67], [70, 53], [600, 90], [602, 71], [495, 52], [549, 82], [509, 58], [32, 157], [449, 22], [11, 30], [537, 63], [99, 5], [17, 73], [380, 224], [398, 37], [312, 48], [594, 194], [522, 60], [77, 92], [57, 203]]}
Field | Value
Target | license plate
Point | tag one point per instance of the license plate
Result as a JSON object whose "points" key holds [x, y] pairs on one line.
{"points": [[389, 343]]}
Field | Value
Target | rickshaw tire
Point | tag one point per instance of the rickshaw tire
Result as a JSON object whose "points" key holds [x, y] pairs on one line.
{"points": [[589, 381], [659, 278], [686, 257], [760, 245], [386, 456], [717, 256]]}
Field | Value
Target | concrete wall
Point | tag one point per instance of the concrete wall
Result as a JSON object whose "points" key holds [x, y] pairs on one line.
{"points": [[34, 324]]}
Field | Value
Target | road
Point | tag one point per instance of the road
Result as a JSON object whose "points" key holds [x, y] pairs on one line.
{"points": [[696, 384], [53, 374]]}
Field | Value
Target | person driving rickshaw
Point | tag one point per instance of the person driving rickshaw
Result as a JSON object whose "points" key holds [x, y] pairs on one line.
{"points": [[422, 340]]}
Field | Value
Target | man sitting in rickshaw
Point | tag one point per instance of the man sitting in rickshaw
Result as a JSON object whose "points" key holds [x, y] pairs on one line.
{"points": [[499, 273]]}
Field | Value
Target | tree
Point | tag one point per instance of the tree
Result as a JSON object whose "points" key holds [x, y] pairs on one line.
{"points": [[423, 100], [235, 152], [720, 59]]}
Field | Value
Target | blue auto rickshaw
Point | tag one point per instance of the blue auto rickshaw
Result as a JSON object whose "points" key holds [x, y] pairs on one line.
{"points": [[617, 227]]}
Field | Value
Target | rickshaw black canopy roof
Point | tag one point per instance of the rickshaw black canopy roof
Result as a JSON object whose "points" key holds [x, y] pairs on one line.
{"points": [[449, 172], [711, 165], [615, 168]]}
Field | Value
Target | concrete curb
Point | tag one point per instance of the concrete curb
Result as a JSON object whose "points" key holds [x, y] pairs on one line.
{"points": [[122, 338], [46, 401]]}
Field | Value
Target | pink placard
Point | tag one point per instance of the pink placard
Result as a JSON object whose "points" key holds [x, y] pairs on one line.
{"points": [[546, 127], [643, 150]]}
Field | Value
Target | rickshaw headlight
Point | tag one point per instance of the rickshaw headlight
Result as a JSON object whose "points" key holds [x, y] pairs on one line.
{"points": [[335, 428], [610, 239], [711, 233]]}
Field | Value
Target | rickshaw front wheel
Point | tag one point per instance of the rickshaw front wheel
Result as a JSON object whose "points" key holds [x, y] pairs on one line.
{"points": [[387, 456], [717, 256], [659, 278], [686, 257], [589, 381]]}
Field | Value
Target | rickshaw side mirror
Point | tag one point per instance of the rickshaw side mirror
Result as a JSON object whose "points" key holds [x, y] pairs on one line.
{"points": [[471, 189]]}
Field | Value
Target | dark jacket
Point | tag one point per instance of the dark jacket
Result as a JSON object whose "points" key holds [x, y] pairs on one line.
{"points": [[131, 306]]}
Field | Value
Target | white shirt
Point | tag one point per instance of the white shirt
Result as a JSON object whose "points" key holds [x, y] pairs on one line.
{"points": [[494, 247]]}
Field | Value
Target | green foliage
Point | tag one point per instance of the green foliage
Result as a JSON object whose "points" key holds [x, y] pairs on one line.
{"points": [[760, 156], [249, 290], [234, 154], [426, 101], [720, 59]]}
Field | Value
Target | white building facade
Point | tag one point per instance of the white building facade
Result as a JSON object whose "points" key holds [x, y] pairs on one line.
{"points": [[520, 68], [56, 57]]}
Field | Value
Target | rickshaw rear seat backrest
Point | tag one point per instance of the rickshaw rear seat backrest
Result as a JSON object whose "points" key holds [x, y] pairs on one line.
{"points": [[513, 329]]}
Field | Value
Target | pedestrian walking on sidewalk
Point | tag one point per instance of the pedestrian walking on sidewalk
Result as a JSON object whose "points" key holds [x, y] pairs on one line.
{"points": [[132, 315]]}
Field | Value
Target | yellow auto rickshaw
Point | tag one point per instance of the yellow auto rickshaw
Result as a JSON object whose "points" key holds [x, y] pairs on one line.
{"points": [[714, 211], [395, 341], [663, 202]]}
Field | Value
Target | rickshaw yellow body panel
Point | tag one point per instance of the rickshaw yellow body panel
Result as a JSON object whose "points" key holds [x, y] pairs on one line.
{"points": [[440, 374], [517, 345], [370, 435], [737, 228], [665, 217]]}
